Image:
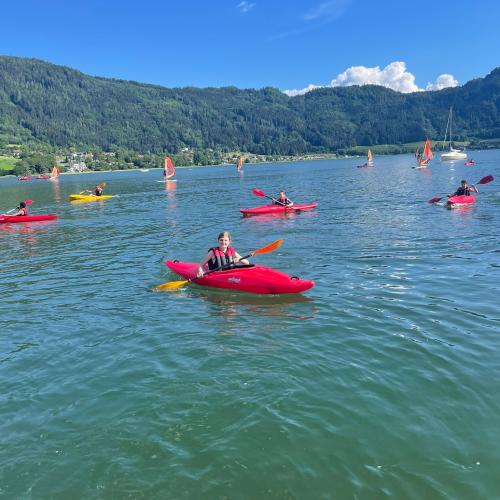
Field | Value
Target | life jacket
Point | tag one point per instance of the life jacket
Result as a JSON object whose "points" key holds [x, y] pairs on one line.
{"points": [[462, 191], [221, 260], [285, 202], [98, 192], [24, 211]]}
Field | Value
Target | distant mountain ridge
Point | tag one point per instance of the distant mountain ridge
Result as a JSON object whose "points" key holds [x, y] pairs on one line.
{"points": [[46, 103]]}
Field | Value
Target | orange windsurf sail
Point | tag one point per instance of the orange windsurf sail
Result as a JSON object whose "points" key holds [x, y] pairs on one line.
{"points": [[169, 169], [240, 163]]}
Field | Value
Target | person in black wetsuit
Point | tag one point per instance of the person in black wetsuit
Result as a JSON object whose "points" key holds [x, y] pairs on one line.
{"points": [[282, 200], [464, 189]]}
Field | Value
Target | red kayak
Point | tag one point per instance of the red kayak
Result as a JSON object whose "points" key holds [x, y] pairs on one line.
{"points": [[457, 201], [252, 278], [469, 163], [25, 178], [278, 209], [26, 218], [43, 177]]}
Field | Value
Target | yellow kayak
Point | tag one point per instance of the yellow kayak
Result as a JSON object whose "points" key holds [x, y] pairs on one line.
{"points": [[89, 197]]}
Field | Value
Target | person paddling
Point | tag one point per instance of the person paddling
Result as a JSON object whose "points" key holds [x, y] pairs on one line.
{"points": [[283, 200], [223, 256], [464, 189], [98, 190], [21, 210]]}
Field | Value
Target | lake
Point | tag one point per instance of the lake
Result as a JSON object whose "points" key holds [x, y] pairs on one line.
{"points": [[382, 381]]}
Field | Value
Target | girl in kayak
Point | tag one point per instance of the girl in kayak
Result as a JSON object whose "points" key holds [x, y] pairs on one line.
{"points": [[21, 209], [464, 190], [221, 257], [283, 200], [98, 190]]}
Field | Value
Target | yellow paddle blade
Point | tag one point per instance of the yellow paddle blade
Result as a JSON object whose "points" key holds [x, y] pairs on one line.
{"points": [[269, 248], [170, 284]]}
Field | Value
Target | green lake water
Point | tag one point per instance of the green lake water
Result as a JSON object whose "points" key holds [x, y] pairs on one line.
{"points": [[383, 381]]}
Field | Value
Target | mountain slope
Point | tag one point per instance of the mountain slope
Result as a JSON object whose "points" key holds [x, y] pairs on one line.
{"points": [[60, 106]]}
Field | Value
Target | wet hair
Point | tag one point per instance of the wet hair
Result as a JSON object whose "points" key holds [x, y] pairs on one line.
{"points": [[22, 204], [463, 181], [224, 233]]}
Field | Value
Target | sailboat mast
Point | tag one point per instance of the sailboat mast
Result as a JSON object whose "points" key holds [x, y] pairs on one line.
{"points": [[446, 131], [451, 118]]}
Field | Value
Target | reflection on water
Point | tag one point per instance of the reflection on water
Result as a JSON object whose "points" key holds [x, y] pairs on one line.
{"points": [[56, 189]]}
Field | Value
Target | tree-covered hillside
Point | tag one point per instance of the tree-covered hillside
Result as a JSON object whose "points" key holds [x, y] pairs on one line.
{"points": [[59, 106]]}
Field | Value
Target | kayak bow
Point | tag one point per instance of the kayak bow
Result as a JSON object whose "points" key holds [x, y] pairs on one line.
{"points": [[457, 201]]}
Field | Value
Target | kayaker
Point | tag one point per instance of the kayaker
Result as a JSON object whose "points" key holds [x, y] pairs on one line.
{"points": [[464, 190], [283, 200], [98, 190], [221, 257], [21, 210]]}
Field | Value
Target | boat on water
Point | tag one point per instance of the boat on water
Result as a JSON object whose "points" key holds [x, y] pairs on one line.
{"points": [[251, 278], [24, 178], [278, 209], [424, 157], [89, 197], [43, 177], [452, 154], [460, 201], [11, 219], [369, 161], [168, 169], [469, 163]]}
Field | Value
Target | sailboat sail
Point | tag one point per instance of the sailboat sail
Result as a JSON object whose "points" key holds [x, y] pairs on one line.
{"points": [[425, 157], [168, 170], [55, 173], [452, 154], [370, 158], [239, 166]]}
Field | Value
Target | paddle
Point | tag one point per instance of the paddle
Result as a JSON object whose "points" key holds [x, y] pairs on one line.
{"points": [[28, 202], [484, 180], [177, 284]]}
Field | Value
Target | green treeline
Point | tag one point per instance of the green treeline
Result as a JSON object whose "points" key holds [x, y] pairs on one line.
{"points": [[41, 103]]}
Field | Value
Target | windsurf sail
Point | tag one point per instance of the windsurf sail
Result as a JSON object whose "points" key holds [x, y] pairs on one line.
{"points": [[168, 170], [427, 153], [370, 158], [239, 166], [55, 173]]}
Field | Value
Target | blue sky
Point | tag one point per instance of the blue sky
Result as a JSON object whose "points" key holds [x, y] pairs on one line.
{"points": [[257, 43]]}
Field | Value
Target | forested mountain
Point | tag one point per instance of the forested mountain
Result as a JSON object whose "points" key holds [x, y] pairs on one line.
{"points": [[59, 106]]}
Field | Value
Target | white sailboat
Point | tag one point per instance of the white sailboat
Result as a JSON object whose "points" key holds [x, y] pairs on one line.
{"points": [[452, 154]]}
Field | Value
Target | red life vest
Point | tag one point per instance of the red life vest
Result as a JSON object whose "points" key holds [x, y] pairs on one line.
{"points": [[24, 211], [221, 260]]}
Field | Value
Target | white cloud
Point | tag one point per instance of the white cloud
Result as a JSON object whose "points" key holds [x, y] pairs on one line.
{"points": [[327, 11], [442, 82], [245, 6], [293, 92], [394, 76]]}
